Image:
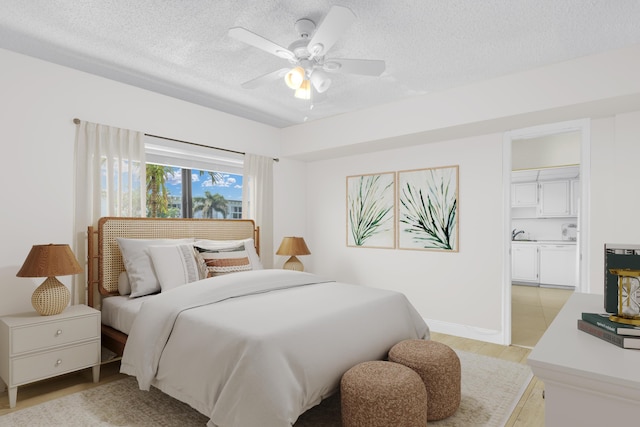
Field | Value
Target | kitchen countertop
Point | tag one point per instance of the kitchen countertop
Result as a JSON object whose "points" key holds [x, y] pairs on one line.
{"points": [[546, 242]]}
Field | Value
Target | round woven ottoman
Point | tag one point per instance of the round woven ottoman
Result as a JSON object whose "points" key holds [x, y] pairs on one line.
{"points": [[382, 394], [439, 367]]}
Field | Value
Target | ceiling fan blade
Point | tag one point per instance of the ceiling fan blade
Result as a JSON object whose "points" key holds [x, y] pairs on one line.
{"points": [[367, 67], [330, 29], [266, 78], [260, 42]]}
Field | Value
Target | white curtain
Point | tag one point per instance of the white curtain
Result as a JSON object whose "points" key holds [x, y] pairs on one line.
{"points": [[257, 201], [110, 180]]}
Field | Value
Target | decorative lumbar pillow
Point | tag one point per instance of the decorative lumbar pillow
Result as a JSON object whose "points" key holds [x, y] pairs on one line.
{"points": [[137, 262], [217, 261], [249, 246], [174, 265], [124, 287]]}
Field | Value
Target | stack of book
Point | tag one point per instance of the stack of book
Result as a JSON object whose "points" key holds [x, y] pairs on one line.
{"points": [[599, 325]]}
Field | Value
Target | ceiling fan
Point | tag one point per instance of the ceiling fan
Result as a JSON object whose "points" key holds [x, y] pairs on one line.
{"points": [[309, 66]]}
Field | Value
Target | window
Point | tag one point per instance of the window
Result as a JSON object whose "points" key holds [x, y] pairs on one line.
{"points": [[192, 182]]}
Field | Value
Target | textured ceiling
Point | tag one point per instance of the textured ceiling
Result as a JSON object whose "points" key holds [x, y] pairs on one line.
{"points": [[182, 49]]}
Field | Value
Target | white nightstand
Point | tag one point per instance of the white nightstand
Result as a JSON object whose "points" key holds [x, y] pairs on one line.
{"points": [[587, 381], [35, 347]]}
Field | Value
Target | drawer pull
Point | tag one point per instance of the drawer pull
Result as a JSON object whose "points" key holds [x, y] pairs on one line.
{"points": [[58, 362], [59, 332]]}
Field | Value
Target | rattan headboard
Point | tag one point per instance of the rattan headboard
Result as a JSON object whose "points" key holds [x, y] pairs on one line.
{"points": [[104, 258]]}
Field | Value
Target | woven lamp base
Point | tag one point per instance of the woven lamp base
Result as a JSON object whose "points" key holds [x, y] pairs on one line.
{"points": [[293, 263], [51, 297]]}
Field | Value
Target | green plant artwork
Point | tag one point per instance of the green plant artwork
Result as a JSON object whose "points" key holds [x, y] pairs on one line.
{"points": [[370, 210], [428, 209]]}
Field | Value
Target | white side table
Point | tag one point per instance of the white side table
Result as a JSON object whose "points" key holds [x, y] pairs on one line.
{"points": [[35, 347], [587, 381]]}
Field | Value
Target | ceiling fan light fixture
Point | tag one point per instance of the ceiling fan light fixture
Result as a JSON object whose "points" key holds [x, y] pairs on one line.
{"points": [[320, 81], [295, 77], [316, 49], [285, 54], [332, 66], [304, 91]]}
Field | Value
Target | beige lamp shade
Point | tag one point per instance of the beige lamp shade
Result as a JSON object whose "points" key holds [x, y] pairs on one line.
{"points": [[51, 297], [293, 246]]}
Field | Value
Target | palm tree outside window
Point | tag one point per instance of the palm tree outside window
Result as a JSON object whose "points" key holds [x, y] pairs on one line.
{"points": [[175, 192]]}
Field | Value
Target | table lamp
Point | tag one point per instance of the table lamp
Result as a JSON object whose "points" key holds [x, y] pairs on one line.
{"points": [[293, 246], [51, 297]]}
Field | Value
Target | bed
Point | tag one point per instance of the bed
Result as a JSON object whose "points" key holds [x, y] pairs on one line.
{"points": [[256, 347]]}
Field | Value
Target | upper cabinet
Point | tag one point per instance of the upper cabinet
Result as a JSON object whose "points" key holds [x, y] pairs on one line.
{"points": [[575, 197], [555, 198], [524, 194], [546, 193]]}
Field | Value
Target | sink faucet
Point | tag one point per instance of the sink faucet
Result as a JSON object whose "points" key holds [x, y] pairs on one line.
{"points": [[515, 233]]}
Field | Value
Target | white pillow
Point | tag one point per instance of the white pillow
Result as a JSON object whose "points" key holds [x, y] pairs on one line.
{"points": [[124, 287], [174, 265], [138, 264], [249, 246]]}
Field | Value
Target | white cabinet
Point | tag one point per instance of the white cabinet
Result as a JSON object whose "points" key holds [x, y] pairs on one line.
{"points": [[554, 198], [544, 264], [546, 193], [36, 347], [558, 265], [559, 198], [575, 197], [587, 381], [524, 262], [524, 194]]}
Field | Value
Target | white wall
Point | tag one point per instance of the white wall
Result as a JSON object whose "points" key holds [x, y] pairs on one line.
{"points": [[559, 149], [615, 188], [461, 293], [290, 203], [458, 292], [38, 104], [604, 85], [542, 228]]}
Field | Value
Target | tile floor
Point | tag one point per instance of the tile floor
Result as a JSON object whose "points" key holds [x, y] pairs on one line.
{"points": [[532, 311]]}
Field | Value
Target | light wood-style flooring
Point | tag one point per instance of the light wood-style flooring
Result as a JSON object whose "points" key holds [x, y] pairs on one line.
{"points": [[533, 309], [53, 388]]}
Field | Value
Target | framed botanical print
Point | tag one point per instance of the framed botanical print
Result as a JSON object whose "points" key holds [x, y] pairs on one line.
{"points": [[428, 209], [371, 210]]}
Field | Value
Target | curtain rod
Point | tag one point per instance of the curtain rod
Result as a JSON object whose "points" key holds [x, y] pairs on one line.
{"points": [[275, 159]]}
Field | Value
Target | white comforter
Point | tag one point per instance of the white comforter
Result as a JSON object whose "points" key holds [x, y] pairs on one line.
{"points": [[259, 348]]}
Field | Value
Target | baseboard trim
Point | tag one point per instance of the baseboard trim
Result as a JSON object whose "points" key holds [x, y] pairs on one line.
{"points": [[464, 331]]}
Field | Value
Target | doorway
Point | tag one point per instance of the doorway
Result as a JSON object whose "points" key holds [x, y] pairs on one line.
{"points": [[580, 129]]}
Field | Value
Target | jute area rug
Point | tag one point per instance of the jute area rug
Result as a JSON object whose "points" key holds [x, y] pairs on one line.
{"points": [[491, 389]]}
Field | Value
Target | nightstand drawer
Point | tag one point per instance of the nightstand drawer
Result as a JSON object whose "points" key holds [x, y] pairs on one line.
{"points": [[49, 334], [56, 362]]}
